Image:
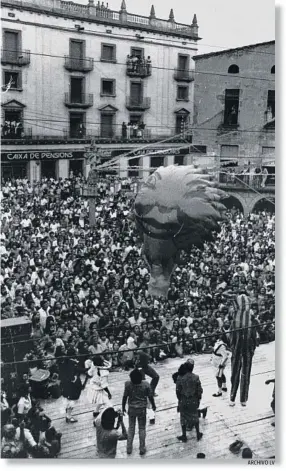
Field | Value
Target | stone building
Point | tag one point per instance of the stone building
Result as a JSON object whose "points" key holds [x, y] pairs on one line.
{"points": [[234, 104], [234, 121], [74, 74]]}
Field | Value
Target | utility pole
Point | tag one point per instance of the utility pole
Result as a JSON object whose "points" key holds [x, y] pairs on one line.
{"points": [[89, 189]]}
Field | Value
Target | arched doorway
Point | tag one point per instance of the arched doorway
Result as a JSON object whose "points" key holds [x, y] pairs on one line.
{"points": [[264, 204], [232, 202]]}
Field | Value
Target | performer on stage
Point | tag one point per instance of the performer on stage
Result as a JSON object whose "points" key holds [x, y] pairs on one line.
{"points": [[181, 372], [243, 343], [98, 392], [143, 362], [72, 388], [219, 361], [268, 381], [137, 392], [189, 393]]}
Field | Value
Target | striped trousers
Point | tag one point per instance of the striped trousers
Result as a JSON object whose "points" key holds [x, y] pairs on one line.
{"points": [[241, 362]]}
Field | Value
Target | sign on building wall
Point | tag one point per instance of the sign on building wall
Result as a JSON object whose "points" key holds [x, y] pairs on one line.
{"points": [[41, 155]]}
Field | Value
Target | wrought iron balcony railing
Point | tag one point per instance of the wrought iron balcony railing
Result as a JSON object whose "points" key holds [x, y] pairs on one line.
{"points": [[138, 103], [81, 65], [19, 57], [84, 100], [184, 75]]}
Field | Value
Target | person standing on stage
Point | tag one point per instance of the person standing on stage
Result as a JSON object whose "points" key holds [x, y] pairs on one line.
{"points": [[137, 392], [268, 381], [181, 372], [219, 361], [143, 362], [72, 388], [189, 393], [98, 392], [243, 344]]}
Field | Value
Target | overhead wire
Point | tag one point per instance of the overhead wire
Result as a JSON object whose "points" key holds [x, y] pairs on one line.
{"points": [[111, 352], [172, 69]]}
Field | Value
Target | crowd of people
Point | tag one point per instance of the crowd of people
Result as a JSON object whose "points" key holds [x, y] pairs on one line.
{"points": [[85, 291], [137, 65]]}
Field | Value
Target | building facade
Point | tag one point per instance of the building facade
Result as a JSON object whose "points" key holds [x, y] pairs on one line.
{"points": [[234, 105], [73, 74]]}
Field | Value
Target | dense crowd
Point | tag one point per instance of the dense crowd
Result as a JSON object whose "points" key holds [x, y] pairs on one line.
{"points": [[85, 290]]}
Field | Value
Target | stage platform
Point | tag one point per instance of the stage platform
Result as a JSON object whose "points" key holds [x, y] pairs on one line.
{"points": [[222, 426]]}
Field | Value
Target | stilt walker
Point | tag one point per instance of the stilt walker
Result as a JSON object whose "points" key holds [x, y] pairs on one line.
{"points": [[243, 343]]}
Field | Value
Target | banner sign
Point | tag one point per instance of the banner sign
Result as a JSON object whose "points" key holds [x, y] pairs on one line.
{"points": [[152, 151], [40, 155]]}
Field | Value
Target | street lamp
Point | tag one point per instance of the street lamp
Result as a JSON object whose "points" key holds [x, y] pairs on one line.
{"points": [[89, 189]]}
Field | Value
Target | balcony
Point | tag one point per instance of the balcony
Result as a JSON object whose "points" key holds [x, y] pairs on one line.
{"points": [[141, 68], [139, 104], [9, 133], [85, 100], [242, 181], [184, 75], [80, 65], [18, 58]]}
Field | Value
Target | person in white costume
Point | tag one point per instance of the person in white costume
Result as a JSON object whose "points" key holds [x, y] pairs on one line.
{"points": [[98, 392], [219, 361]]}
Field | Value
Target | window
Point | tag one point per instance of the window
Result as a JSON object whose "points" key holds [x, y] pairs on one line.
{"points": [[11, 46], [136, 93], [133, 163], [228, 152], [108, 52], [179, 160], [231, 107], [13, 124], [77, 53], [273, 69], [183, 62], [77, 125], [233, 69], [182, 123], [76, 167], [268, 151], [137, 51], [182, 93], [156, 162], [107, 125], [76, 90], [107, 87], [271, 102], [13, 78]]}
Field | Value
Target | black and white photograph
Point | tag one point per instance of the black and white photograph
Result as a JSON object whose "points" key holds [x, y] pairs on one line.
{"points": [[137, 248]]}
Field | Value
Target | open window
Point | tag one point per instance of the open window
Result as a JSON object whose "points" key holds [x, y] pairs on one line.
{"points": [[233, 69], [231, 107]]}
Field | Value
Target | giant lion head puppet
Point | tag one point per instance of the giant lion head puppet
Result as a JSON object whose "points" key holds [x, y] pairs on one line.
{"points": [[176, 208]]}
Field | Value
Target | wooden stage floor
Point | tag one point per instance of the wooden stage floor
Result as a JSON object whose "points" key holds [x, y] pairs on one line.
{"points": [[222, 426]]}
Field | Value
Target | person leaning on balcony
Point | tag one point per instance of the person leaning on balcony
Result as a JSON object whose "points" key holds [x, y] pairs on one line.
{"points": [[264, 177], [129, 63], [134, 61], [128, 131], [148, 65], [124, 130]]}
